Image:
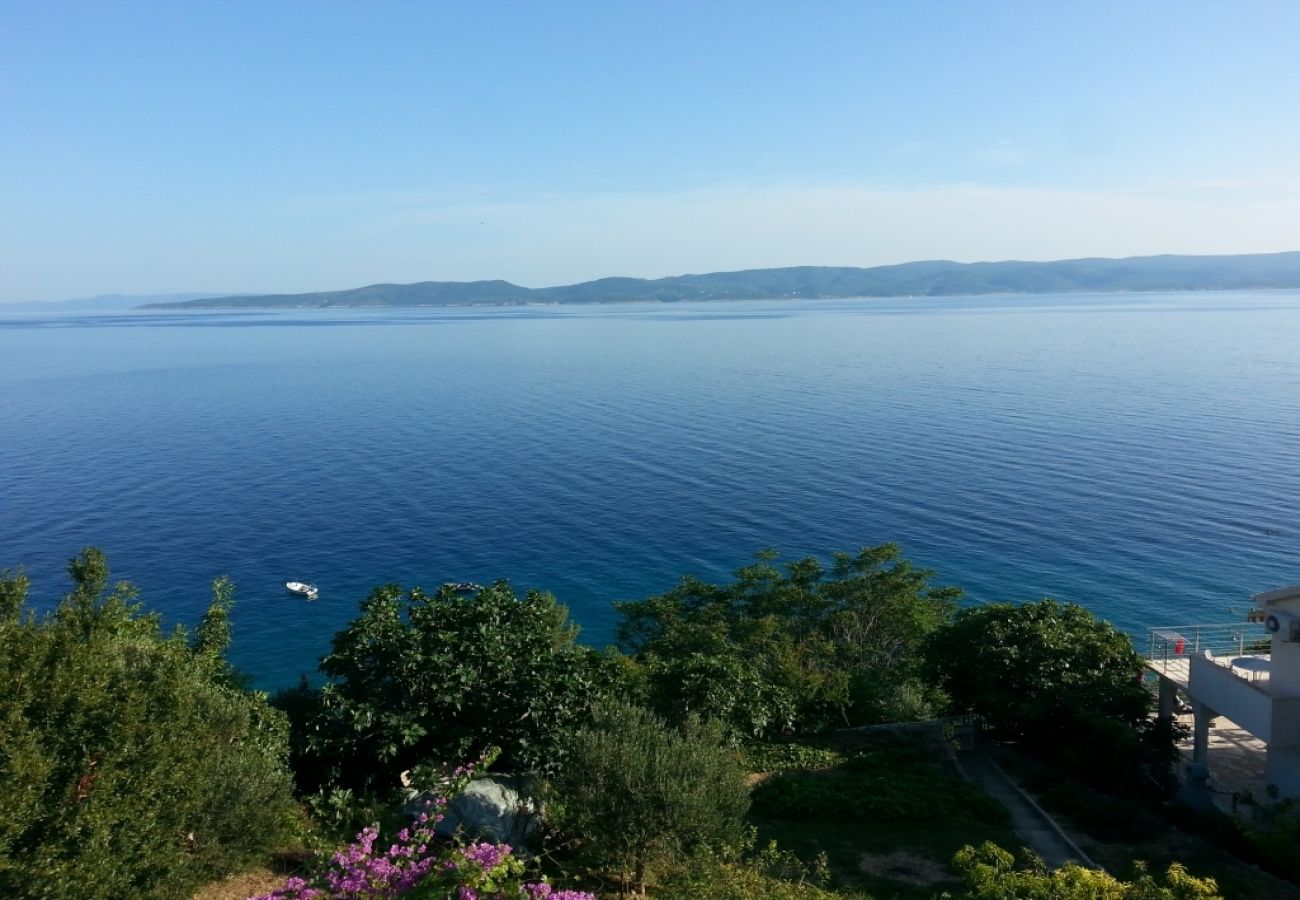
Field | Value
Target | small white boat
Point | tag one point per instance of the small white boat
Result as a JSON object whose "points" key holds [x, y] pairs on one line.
{"points": [[301, 588]]}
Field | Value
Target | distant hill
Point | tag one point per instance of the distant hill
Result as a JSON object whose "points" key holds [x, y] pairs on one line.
{"points": [[104, 302], [933, 278]]}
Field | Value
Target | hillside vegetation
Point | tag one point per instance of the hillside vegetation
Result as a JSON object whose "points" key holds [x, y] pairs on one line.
{"points": [[706, 757], [930, 278]]}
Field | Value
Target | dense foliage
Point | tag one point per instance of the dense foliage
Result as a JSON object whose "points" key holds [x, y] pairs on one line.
{"points": [[636, 791], [794, 648], [420, 677], [1051, 677], [131, 764], [991, 873]]}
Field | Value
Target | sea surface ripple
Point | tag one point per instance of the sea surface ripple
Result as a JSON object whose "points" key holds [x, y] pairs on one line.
{"points": [[1133, 453]]}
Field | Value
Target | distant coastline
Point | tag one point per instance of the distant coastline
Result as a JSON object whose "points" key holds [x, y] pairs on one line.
{"points": [[1140, 274]]}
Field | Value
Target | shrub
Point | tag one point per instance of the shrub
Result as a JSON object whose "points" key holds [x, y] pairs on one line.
{"points": [[785, 757], [419, 677], [132, 765], [990, 873], [734, 874], [636, 792]]}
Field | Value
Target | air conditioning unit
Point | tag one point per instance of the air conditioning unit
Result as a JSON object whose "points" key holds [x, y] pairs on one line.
{"points": [[1284, 625]]}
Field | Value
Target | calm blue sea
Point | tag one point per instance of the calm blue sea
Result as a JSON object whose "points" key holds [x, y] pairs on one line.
{"points": [[1137, 454]]}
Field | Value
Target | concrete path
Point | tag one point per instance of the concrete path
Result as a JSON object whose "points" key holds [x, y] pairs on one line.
{"points": [[1032, 824]]}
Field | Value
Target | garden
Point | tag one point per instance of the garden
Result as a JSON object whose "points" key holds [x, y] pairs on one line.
{"points": [[738, 742]]}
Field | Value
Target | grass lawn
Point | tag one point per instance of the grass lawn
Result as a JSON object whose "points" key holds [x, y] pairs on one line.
{"points": [[888, 813]]}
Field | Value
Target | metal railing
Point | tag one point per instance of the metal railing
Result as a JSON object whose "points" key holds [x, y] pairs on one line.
{"points": [[1234, 639]]}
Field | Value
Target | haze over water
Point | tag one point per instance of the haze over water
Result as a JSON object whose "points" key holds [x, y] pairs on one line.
{"points": [[1133, 453]]}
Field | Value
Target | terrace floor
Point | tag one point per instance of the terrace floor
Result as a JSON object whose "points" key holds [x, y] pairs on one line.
{"points": [[1235, 758]]}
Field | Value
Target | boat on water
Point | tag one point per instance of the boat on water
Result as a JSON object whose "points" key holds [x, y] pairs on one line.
{"points": [[463, 587], [302, 589]]}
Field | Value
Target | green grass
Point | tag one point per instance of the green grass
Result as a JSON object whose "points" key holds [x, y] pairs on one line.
{"points": [[890, 794]]}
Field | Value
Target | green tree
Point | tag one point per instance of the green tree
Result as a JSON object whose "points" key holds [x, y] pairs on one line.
{"points": [[799, 647], [637, 792], [1021, 666], [419, 677], [990, 873], [130, 766], [1052, 677]]}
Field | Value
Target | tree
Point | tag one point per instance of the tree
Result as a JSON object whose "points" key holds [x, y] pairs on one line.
{"points": [[420, 677], [130, 765], [1052, 677], [637, 792], [990, 873], [1022, 667], [791, 648]]}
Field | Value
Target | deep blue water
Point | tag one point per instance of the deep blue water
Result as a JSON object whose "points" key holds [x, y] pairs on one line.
{"points": [[1136, 454]]}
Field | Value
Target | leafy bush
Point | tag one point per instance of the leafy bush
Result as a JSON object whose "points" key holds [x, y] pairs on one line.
{"points": [[991, 873], [793, 648], [636, 792], [732, 874], [784, 757], [132, 765], [418, 677]]}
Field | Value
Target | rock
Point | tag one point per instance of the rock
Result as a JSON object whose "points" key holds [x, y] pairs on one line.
{"points": [[496, 808]]}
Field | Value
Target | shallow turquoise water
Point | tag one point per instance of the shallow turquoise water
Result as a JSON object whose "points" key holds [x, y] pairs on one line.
{"points": [[1137, 454]]}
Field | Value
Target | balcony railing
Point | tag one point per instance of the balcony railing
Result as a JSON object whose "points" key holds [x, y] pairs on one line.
{"points": [[1234, 639]]}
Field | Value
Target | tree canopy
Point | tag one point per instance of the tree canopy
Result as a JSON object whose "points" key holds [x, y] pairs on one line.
{"points": [[1028, 668], [419, 677], [793, 647]]}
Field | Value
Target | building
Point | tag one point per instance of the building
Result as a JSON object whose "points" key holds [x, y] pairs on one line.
{"points": [[1248, 672]]}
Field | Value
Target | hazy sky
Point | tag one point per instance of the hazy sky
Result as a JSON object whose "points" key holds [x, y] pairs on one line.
{"points": [[278, 146]]}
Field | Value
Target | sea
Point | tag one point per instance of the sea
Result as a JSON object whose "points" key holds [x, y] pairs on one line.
{"points": [[1138, 454]]}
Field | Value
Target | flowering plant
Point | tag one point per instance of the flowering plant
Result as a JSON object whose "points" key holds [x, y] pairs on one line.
{"points": [[415, 865]]}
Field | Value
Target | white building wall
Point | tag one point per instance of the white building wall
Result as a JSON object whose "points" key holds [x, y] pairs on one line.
{"points": [[1228, 695]]}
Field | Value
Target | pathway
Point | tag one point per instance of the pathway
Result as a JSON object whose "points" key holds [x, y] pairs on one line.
{"points": [[1031, 823]]}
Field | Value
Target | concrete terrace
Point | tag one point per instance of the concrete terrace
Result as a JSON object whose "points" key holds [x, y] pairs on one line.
{"points": [[1241, 683]]}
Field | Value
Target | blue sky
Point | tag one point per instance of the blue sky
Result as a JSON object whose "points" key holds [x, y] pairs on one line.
{"points": [[232, 146]]}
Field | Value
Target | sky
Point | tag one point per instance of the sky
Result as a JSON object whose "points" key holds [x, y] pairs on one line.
{"points": [[228, 146]]}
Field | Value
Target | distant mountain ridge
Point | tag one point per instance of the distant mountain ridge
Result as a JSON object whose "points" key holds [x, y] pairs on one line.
{"points": [[929, 278], [104, 302]]}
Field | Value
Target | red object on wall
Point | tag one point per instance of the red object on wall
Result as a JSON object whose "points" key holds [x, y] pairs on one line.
{"points": [[1179, 646]]}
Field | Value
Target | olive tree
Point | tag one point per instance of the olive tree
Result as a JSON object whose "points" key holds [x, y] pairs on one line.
{"points": [[637, 791]]}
